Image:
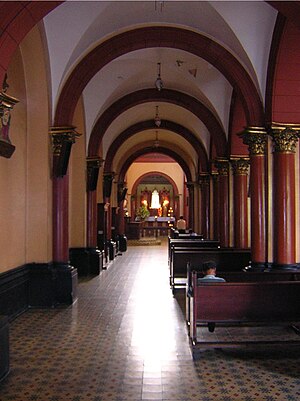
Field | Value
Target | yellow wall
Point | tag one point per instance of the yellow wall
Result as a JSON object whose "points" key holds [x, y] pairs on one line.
{"points": [[25, 185], [173, 170]]}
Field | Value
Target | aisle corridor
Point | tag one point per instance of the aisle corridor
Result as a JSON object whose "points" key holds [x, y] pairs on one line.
{"points": [[125, 340]]}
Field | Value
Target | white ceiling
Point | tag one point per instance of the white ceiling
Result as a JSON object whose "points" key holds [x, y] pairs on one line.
{"points": [[75, 27]]}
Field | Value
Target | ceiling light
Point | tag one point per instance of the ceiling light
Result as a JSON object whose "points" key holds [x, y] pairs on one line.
{"points": [[156, 142], [157, 120], [158, 82]]}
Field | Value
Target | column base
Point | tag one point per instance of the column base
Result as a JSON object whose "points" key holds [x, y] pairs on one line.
{"points": [[258, 267], [86, 260], [52, 285], [287, 267]]}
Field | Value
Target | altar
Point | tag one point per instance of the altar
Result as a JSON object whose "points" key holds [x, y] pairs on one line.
{"points": [[161, 219], [157, 226]]}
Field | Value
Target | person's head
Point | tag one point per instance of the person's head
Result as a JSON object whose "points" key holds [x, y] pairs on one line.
{"points": [[209, 267], [181, 217]]}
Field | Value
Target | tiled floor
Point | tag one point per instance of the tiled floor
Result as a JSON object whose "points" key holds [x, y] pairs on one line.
{"points": [[125, 340]]}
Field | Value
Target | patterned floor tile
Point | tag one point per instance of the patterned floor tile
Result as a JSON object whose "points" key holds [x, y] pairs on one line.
{"points": [[125, 339]]}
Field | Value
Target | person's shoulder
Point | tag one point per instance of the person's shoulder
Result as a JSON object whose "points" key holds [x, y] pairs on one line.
{"points": [[211, 280]]}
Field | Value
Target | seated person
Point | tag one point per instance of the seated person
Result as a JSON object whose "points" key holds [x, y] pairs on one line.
{"points": [[209, 270], [181, 225]]}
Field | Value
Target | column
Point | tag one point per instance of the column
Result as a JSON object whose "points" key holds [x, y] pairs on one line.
{"points": [[285, 138], [204, 180], [223, 201], [62, 141], [256, 139], [107, 187], [191, 190], [240, 169], [93, 166], [122, 190], [215, 216]]}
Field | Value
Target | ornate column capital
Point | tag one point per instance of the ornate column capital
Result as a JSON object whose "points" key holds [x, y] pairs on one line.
{"points": [[204, 179], [7, 103], [256, 138], [222, 166], [94, 162], [60, 136], [108, 177], [285, 137], [240, 165], [93, 165]]}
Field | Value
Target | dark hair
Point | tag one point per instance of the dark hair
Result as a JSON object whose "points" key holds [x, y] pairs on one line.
{"points": [[210, 264], [181, 217]]}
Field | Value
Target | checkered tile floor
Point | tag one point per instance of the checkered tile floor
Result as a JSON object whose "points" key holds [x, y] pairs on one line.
{"points": [[125, 339]]}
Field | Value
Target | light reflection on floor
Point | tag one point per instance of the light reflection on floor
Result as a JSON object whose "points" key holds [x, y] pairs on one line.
{"points": [[126, 340]]}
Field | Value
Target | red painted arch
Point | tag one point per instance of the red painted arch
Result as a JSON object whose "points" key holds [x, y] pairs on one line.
{"points": [[160, 149], [145, 125], [159, 36], [172, 182], [153, 95], [17, 18]]}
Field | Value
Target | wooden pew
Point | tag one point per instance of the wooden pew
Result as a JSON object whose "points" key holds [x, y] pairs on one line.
{"points": [[269, 303], [226, 259], [238, 277]]}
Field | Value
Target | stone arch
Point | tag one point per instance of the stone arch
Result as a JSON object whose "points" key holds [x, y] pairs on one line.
{"points": [[145, 125], [134, 187], [159, 36], [152, 95], [159, 149]]}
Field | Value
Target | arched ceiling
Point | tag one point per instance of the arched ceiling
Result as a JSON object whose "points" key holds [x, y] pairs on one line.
{"points": [[111, 49]]}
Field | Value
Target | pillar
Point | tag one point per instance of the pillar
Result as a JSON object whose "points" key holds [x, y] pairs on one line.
{"points": [[93, 166], [256, 139], [223, 201], [107, 187], [204, 180], [240, 169], [62, 141], [215, 205], [191, 190], [285, 138], [122, 190]]}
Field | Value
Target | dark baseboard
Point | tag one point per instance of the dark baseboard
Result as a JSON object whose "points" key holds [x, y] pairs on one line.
{"points": [[51, 285], [37, 285], [4, 347], [88, 261], [14, 291]]}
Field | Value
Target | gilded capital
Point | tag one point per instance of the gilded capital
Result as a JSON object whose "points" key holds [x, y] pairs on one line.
{"points": [[7, 103], [190, 185], [204, 179], [285, 137], [222, 166], [240, 166], [256, 138], [94, 162], [60, 135], [109, 176]]}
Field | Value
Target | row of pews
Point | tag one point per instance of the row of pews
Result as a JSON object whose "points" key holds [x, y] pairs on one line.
{"points": [[248, 297]]}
